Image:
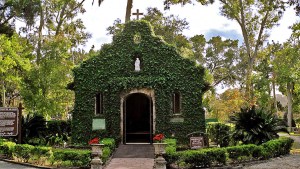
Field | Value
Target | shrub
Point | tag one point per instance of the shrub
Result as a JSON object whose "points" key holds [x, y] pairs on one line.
{"points": [[58, 131], [204, 158], [171, 155], [218, 156], [33, 126], [40, 151], [242, 152], [278, 147], [76, 156], [23, 151], [255, 126], [219, 133], [109, 142], [7, 148]]}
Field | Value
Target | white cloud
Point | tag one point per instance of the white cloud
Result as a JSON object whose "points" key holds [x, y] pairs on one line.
{"points": [[202, 19]]}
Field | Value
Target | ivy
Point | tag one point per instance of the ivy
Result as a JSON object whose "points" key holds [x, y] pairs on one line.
{"points": [[112, 72]]}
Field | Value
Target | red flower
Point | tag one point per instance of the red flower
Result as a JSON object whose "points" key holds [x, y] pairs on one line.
{"points": [[94, 141], [158, 137]]}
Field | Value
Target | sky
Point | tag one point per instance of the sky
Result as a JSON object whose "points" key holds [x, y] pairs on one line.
{"points": [[204, 20]]}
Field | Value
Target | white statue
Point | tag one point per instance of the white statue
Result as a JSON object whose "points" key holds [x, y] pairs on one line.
{"points": [[137, 65]]}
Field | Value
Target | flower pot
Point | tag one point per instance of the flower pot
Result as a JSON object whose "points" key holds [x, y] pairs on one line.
{"points": [[159, 148], [97, 149]]}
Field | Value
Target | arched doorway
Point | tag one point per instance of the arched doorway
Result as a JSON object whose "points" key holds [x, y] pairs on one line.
{"points": [[137, 119]]}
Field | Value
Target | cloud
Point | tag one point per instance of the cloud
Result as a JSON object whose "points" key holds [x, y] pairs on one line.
{"points": [[228, 34]]}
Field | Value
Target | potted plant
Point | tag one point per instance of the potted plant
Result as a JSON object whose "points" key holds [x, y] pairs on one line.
{"points": [[158, 144]]}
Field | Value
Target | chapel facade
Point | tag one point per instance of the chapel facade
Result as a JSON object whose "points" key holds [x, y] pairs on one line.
{"points": [[136, 87]]}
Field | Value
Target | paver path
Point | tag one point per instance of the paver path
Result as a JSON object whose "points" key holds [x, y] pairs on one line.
{"points": [[135, 156], [286, 162], [6, 165]]}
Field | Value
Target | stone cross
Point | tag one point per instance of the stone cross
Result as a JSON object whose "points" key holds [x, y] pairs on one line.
{"points": [[137, 13]]}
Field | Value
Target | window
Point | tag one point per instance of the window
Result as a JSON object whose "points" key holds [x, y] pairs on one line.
{"points": [[176, 103], [98, 104]]}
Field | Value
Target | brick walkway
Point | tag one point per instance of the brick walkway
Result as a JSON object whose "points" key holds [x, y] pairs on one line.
{"points": [[132, 157], [131, 163]]}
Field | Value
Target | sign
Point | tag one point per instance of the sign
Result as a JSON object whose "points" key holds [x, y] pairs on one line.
{"points": [[98, 124], [196, 142], [9, 121]]}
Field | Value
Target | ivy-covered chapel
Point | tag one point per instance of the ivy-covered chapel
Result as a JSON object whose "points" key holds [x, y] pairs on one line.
{"points": [[136, 87]]}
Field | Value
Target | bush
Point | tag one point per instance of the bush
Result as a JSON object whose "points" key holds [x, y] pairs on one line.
{"points": [[23, 151], [219, 133], [278, 147], [240, 153], [76, 156], [205, 157], [256, 126], [7, 148], [58, 131], [109, 142], [218, 156], [171, 155], [40, 151]]}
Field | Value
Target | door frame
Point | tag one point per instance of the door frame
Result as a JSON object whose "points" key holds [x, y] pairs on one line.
{"points": [[148, 93]]}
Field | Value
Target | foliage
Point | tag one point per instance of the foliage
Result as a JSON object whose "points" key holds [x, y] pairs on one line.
{"points": [[219, 133], [58, 129], [57, 157], [56, 34], [255, 126], [75, 156], [33, 126], [205, 157], [7, 148], [109, 142], [212, 157], [15, 60], [115, 66], [226, 104], [23, 151]]}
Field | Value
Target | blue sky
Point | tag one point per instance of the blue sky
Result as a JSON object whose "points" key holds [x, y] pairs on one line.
{"points": [[202, 20]]}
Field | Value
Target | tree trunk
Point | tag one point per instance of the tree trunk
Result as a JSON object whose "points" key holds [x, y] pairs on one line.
{"points": [[290, 102], [128, 10], [40, 35], [274, 95], [3, 95]]}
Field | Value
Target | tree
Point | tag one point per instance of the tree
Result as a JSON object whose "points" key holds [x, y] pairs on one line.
{"points": [[10, 10], [15, 57], [128, 8], [286, 65], [255, 18], [226, 104], [169, 27], [56, 36]]}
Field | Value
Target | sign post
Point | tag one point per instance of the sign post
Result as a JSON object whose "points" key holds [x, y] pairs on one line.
{"points": [[9, 121], [20, 123], [196, 142]]}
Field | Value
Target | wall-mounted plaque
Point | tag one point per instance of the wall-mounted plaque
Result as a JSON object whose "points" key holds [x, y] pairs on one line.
{"points": [[98, 124], [9, 121], [177, 120]]}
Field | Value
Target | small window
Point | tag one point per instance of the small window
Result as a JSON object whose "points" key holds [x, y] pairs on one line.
{"points": [[176, 103], [98, 104]]}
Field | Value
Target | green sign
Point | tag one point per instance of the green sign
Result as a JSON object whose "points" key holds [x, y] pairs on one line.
{"points": [[98, 124]]}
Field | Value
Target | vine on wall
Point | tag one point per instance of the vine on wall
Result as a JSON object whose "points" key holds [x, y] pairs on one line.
{"points": [[112, 72]]}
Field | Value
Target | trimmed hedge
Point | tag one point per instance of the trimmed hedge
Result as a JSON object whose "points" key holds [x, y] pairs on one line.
{"points": [[57, 157], [211, 157]]}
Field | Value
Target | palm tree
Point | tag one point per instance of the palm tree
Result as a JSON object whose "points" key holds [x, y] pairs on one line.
{"points": [[128, 8]]}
